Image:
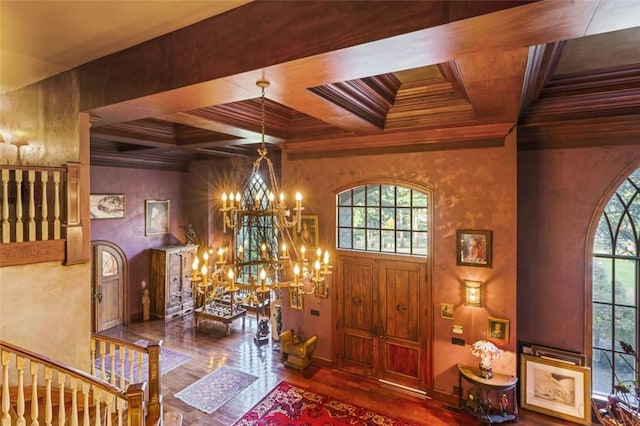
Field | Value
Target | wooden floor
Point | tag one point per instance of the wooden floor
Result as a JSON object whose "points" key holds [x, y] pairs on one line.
{"points": [[211, 348]]}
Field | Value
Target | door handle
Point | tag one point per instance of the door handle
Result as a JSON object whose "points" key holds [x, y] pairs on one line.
{"points": [[100, 293]]}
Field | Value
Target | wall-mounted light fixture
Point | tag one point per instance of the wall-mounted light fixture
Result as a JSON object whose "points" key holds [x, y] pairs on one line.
{"points": [[472, 293]]}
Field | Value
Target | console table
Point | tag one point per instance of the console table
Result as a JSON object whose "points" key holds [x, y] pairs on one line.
{"points": [[489, 400], [222, 313]]}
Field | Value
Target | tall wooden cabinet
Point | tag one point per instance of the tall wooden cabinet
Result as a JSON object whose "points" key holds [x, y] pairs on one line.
{"points": [[171, 288]]}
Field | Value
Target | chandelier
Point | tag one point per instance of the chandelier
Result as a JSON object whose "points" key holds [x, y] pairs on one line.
{"points": [[262, 255]]}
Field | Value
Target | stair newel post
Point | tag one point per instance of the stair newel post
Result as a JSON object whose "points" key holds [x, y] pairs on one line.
{"points": [[135, 400], [154, 408]]}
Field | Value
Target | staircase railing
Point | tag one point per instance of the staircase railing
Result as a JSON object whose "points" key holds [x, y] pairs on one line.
{"points": [[120, 363], [78, 397]]}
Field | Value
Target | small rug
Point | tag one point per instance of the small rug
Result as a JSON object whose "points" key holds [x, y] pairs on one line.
{"points": [[287, 404], [215, 389], [169, 360]]}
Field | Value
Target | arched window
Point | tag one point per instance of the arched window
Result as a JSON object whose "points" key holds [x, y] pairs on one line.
{"points": [[616, 284], [383, 218], [255, 229]]}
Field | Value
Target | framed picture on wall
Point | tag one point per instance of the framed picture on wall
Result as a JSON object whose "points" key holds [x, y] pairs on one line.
{"points": [[498, 330], [156, 215], [107, 206], [307, 236], [473, 247], [295, 300]]}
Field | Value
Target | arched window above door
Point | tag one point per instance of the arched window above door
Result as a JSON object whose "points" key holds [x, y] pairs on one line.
{"points": [[383, 218]]}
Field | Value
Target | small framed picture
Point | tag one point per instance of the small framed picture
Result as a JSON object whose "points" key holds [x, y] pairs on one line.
{"points": [[307, 236], [322, 290], [156, 214], [446, 310], [473, 248], [559, 355], [498, 330], [296, 300], [107, 206], [556, 388]]}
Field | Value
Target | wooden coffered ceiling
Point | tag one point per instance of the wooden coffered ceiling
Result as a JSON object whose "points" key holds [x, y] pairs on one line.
{"points": [[365, 78]]}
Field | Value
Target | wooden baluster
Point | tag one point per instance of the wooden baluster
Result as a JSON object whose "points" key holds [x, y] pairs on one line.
{"points": [[113, 348], [48, 403], [5, 358], [62, 414], [35, 367], [92, 352], [6, 230], [110, 398], [19, 223], [85, 400], [74, 401], [122, 370], [140, 376], [120, 404], [56, 205], [31, 180], [44, 225], [131, 364], [103, 354], [20, 401], [97, 393]]}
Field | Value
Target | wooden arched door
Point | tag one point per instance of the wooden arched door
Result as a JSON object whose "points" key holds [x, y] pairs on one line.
{"points": [[109, 286]]}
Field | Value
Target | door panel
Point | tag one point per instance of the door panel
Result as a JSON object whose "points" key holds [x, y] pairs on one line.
{"points": [[402, 356], [357, 316], [108, 287]]}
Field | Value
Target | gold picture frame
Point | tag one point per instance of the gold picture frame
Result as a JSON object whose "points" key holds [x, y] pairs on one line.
{"points": [[556, 388], [498, 330], [446, 310], [107, 206], [157, 215], [307, 236]]}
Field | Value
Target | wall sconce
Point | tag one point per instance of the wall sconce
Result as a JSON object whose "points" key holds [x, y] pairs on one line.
{"points": [[472, 292]]}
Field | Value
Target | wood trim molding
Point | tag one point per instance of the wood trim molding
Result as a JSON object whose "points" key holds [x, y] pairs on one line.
{"points": [[13, 254]]}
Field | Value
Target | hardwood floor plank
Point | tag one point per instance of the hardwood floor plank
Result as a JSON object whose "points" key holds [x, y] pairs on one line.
{"points": [[211, 348]]}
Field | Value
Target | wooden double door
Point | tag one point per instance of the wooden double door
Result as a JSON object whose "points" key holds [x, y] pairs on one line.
{"points": [[383, 321]]}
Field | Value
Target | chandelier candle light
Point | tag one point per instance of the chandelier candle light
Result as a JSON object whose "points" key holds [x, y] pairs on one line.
{"points": [[260, 224], [487, 352]]}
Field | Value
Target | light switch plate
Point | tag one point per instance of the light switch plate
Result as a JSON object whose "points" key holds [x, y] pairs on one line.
{"points": [[457, 329]]}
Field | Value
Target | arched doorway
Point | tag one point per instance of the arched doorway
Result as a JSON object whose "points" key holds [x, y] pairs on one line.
{"points": [[109, 286]]}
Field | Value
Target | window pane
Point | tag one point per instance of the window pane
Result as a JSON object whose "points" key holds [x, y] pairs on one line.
{"points": [[359, 239], [626, 239], [625, 282], [419, 199], [344, 216], [403, 218], [602, 240], [109, 264], [388, 195], [373, 217], [419, 219], [359, 217], [625, 325], [403, 242], [344, 198], [419, 243], [403, 197], [602, 280], [388, 218], [388, 241], [358, 196], [373, 195], [601, 372], [602, 326], [344, 238], [373, 240]]}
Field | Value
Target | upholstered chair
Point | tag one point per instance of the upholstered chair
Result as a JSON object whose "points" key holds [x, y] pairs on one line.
{"points": [[296, 353]]}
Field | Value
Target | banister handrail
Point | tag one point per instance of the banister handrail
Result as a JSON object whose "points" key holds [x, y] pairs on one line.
{"points": [[66, 381]]}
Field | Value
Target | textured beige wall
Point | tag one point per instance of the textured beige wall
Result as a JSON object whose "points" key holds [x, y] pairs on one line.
{"points": [[474, 188], [46, 308]]}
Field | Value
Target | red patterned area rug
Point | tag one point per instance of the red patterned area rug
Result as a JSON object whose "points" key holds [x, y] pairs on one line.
{"points": [[287, 404]]}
